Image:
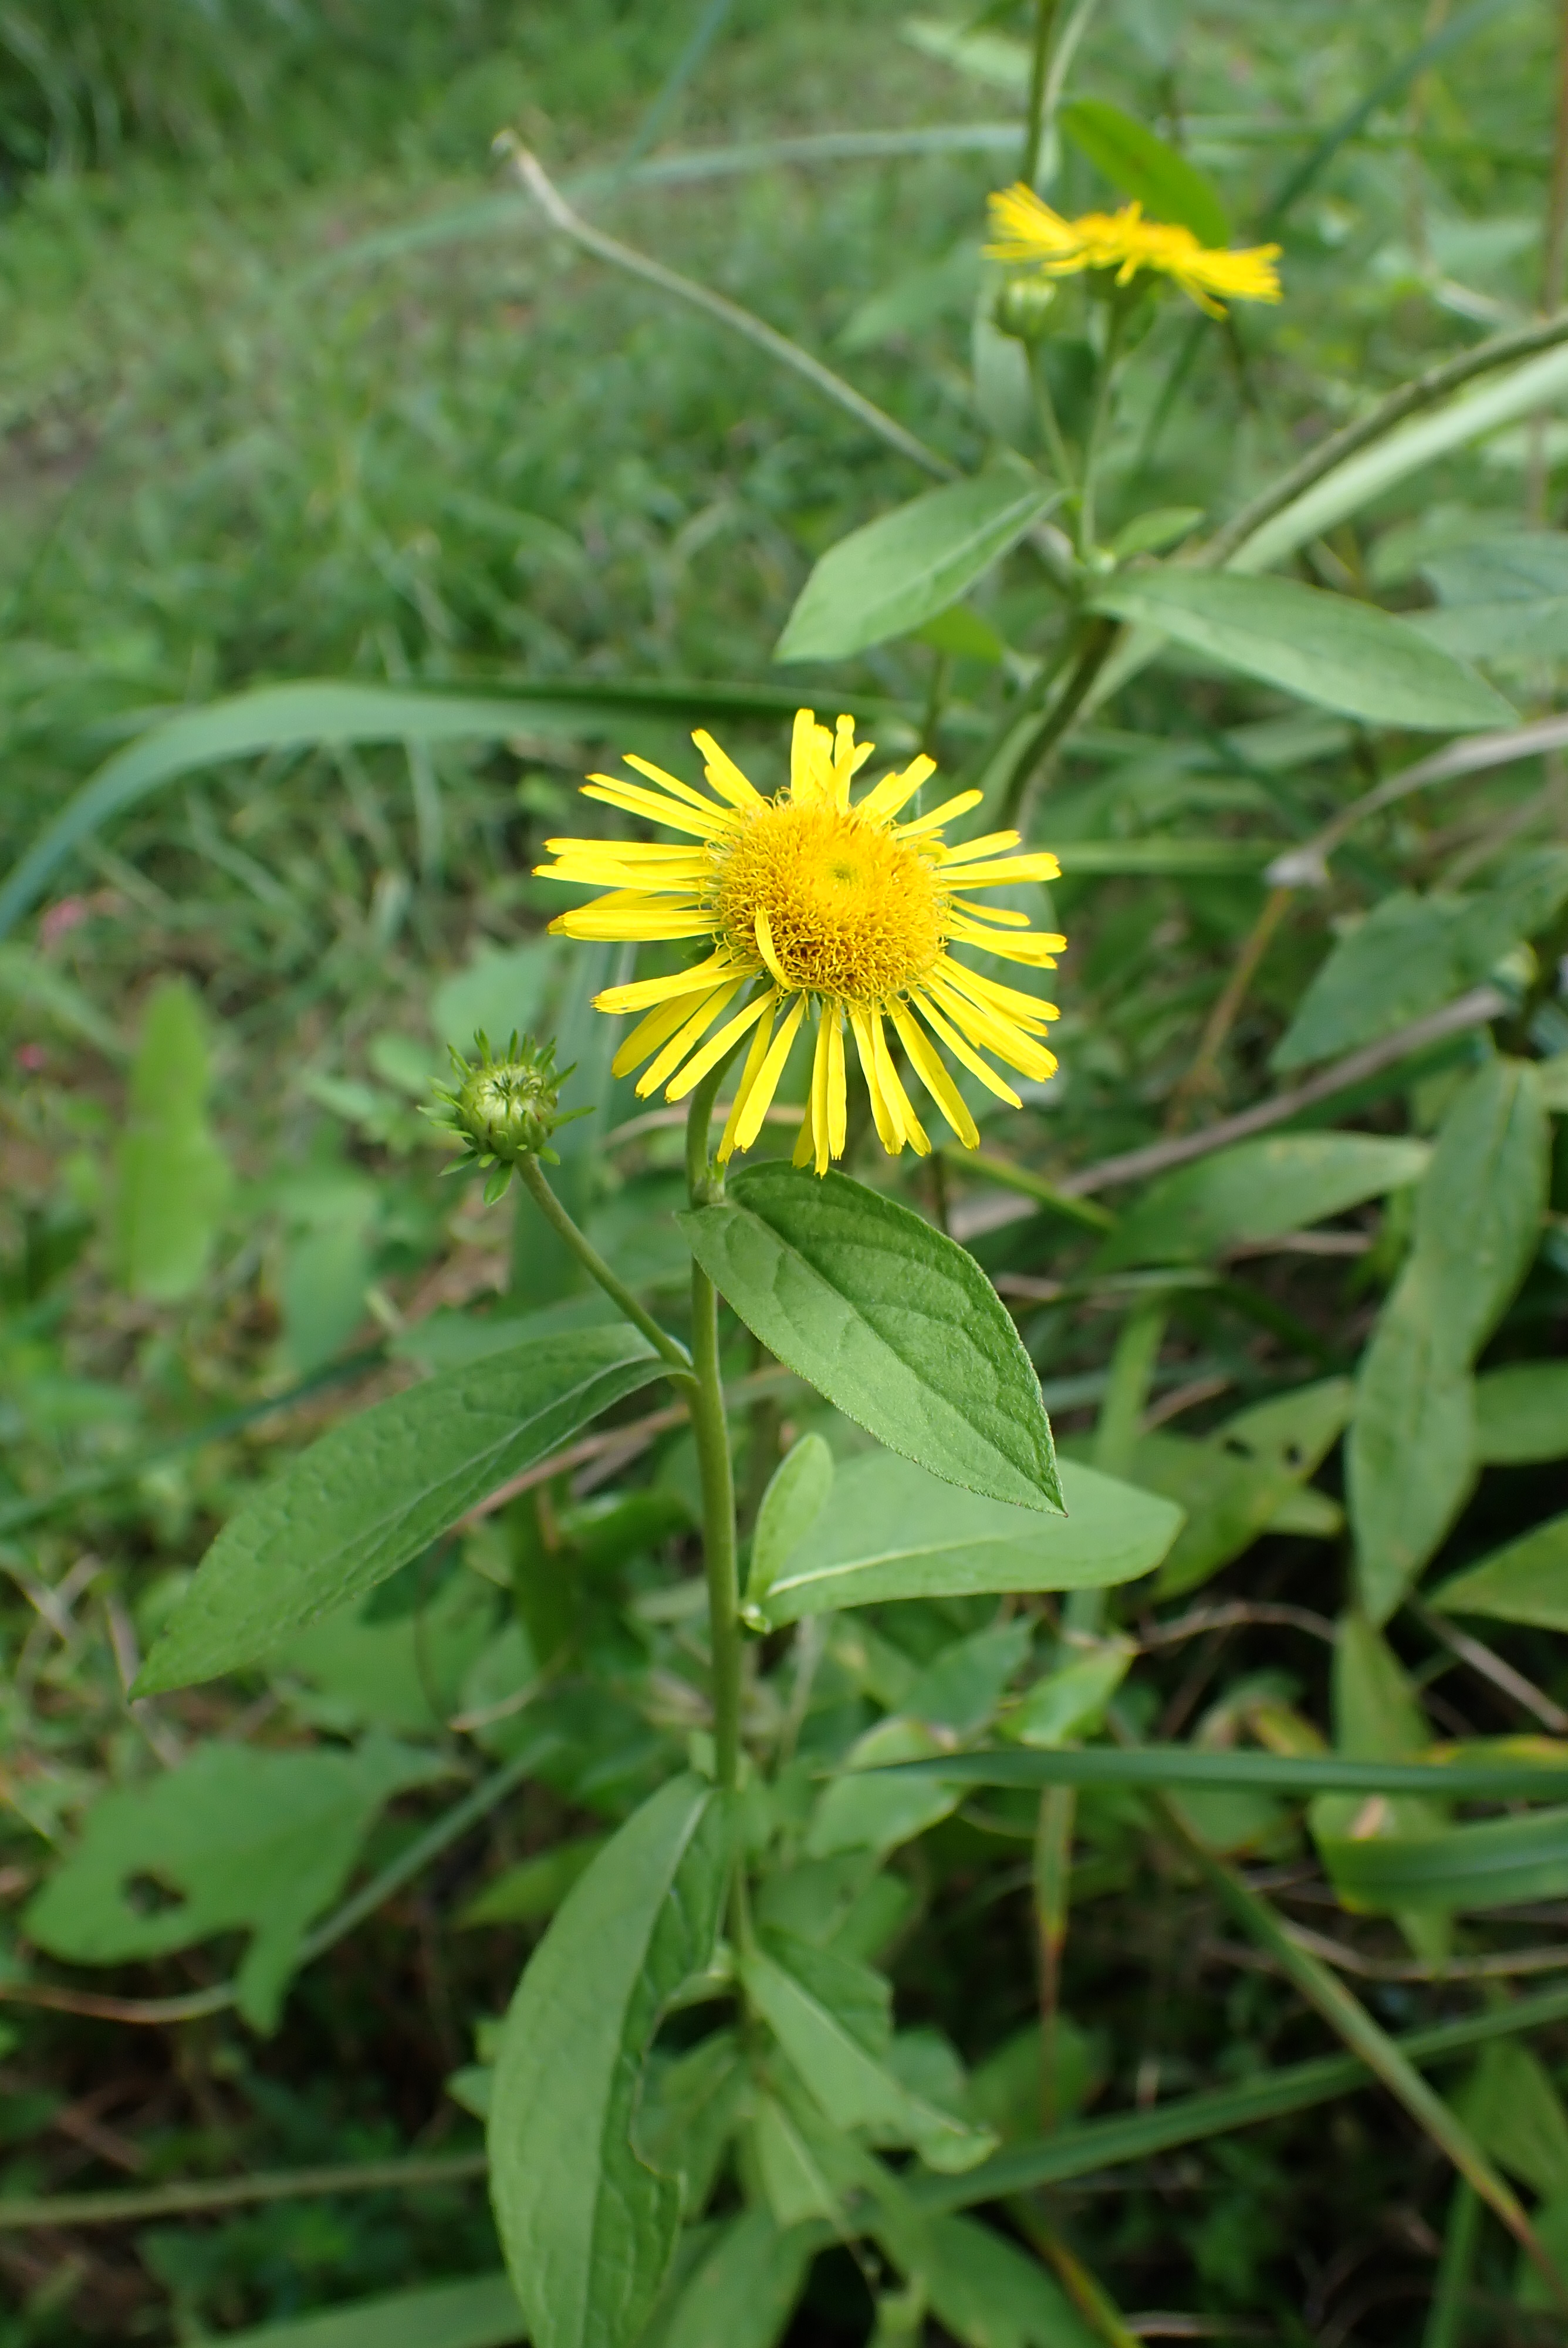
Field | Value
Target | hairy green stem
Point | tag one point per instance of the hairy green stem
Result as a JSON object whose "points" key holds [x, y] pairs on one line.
{"points": [[711, 1427], [669, 1348]]}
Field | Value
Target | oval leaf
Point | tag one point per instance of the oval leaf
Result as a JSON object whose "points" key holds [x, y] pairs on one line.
{"points": [[1410, 1459], [1525, 1582], [1329, 649], [901, 569], [889, 1319], [1522, 1413], [894, 1531], [589, 2229], [1141, 164], [380, 1488], [796, 1495], [1259, 1190]]}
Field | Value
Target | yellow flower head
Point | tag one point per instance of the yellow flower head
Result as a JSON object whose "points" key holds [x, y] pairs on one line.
{"points": [[815, 906], [1026, 229]]}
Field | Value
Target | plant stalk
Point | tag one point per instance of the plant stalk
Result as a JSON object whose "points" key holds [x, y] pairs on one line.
{"points": [[669, 1348], [711, 1427], [1038, 67]]}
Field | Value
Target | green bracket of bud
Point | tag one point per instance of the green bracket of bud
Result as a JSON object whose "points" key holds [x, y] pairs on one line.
{"points": [[503, 1107]]}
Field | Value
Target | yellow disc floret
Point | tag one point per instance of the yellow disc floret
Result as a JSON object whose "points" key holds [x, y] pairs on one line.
{"points": [[814, 905], [836, 905]]}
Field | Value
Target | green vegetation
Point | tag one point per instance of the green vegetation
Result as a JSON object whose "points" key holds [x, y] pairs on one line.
{"points": [[939, 1920]]}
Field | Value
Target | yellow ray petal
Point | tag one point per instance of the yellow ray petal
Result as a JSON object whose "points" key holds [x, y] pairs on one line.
{"points": [[837, 1092], [963, 1052], [765, 936], [714, 1049], [990, 843], [882, 803], [996, 1031], [1002, 915], [657, 1028], [1029, 1010], [631, 801], [819, 1069], [695, 1028], [804, 1142], [887, 1132], [898, 1101], [768, 1075], [641, 992], [724, 775], [948, 810], [621, 923], [749, 1075], [1031, 947], [675, 787], [927, 1062], [1006, 869]]}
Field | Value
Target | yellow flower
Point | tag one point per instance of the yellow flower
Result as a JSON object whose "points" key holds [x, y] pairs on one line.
{"points": [[817, 908], [1027, 230]]}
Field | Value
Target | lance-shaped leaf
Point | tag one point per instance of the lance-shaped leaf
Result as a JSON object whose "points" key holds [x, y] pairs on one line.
{"points": [[479, 2311], [1499, 1863], [1259, 1190], [743, 2293], [1329, 649], [1525, 1582], [906, 566], [1409, 1457], [1522, 1413], [895, 1531], [886, 1317], [173, 1181], [588, 2226], [1137, 161], [379, 1489]]}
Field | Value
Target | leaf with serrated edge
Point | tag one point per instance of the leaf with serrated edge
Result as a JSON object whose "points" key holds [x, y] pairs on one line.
{"points": [[379, 1489], [588, 2227], [892, 1531], [886, 1317]]}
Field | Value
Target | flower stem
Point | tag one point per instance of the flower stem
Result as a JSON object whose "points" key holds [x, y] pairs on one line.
{"points": [[670, 1349], [1116, 319], [1034, 136], [711, 1428]]}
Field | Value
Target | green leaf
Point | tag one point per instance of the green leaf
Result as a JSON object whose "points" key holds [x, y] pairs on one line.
{"points": [[1522, 1413], [1202, 1768], [1412, 953], [1513, 2108], [1499, 1863], [1329, 649], [1071, 1702], [235, 1840], [173, 1181], [1226, 1502], [588, 2227], [889, 1319], [1502, 597], [743, 2293], [535, 1888], [796, 1495], [1527, 1581], [1141, 164], [379, 1489], [480, 2311], [852, 2088], [982, 2289], [27, 979], [901, 569], [870, 1806], [894, 1531], [1478, 1210], [1409, 1457], [1259, 1190]]}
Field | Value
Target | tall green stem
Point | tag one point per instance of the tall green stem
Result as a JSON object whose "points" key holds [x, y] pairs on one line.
{"points": [[593, 1263], [1115, 322], [711, 1428], [1038, 66]]}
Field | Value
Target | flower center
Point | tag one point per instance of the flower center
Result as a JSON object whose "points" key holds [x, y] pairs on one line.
{"points": [[853, 910]]}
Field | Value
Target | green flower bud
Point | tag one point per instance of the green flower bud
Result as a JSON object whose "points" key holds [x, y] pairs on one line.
{"points": [[503, 1108], [1022, 308]]}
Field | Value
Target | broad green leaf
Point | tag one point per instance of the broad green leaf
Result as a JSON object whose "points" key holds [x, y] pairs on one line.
{"points": [[588, 2227], [796, 1495], [1527, 1581], [1499, 1863], [961, 1688], [1478, 1210], [1513, 2108], [1526, 389], [743, 2293], [1296, 1430], [1226, 1501], [403, 1672], [1329, 649], [1409, 1454], [691, 2107], [889, 1319], [982, 2289], [235, 1840], [894, 1531], [1522, 1413], [480, 2311], [1503, 596], [1140, 164], [273, 717], [1204, 1768], [869, 1807], [379, 1489], [1413, 954], [900, 571], [1259, 1190], [172, 1179], [535, 1888], [1071, 1700], [853, 2089]]}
